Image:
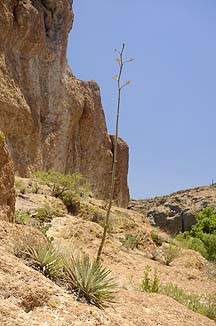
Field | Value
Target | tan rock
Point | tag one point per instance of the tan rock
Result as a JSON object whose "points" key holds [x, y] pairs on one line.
{"points": [[176, 212], [51, 119], [121, 186], [7, 192]]}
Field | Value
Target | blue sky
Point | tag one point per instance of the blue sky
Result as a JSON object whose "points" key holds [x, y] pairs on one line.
{"points": [[168, 113]]}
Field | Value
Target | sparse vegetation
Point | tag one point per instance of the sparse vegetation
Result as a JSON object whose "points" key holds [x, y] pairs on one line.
{"points": [[130, 241], [155, 237], [2, 137], [35, 188], [89, 280], [92, 213], [187, 242], [37, 218], [170, 252], [40, 218], [22, 217], [148, 283], [45, 214], [205, 307], [20, 186]]}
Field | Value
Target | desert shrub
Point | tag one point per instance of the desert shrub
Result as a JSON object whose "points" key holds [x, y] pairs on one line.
{"points": [[170, 252], [45, 259], [42, 218], [149, 284], [61, 183], [44, 228], [209, 241], [91, 213], [39, 218], [91, 281], [22, 217], [202, 236], [2, 138], [69, 188], [45, 214], [183, 236], [189, 242], [205, 307], [210, 307], [155, 237], [206, 223], [72, 202], [35, 188], [20, 186], [130, 241]]}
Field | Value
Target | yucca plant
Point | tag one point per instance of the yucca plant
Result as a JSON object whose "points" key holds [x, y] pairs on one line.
{"points": [[89, 280], [45, 259]]}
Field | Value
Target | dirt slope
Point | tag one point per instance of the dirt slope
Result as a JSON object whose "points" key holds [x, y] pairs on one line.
{"points": [[28, 298]]}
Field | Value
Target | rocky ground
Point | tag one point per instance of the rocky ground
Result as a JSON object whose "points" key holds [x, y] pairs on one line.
{"points": [[29, 298]]}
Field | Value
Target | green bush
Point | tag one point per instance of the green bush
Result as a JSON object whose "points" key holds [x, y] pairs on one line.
{"points": [[61, 183], [170, 252], [189, 242], [202, 236], [45, 214], [209, 241], [72, 202], [69, 188], [155, 237], [89, 280], [22, 217], [148, 284], [206, 223]]}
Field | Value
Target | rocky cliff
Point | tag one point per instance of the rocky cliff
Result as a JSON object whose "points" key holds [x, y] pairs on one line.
{"points": [[176, 212], [7, 192], [51, 119]]}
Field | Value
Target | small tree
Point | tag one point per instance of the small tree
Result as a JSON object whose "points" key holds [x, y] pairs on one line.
{"points": [[120, 86]]}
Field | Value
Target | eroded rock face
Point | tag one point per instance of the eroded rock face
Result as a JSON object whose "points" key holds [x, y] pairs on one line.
{"points": [[121, 186], [176, 212], [51, 119], [7, 192]]}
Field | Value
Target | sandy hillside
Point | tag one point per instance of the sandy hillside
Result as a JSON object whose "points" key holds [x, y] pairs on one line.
{"points": [[29, 298]]}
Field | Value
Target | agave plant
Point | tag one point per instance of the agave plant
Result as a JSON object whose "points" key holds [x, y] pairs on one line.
{"points": [[45, 259], [89, 280]]}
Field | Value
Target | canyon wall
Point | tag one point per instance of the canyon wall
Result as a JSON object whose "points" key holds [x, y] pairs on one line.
{"points": [[176, 212], [7, 192], [50, 118]]}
